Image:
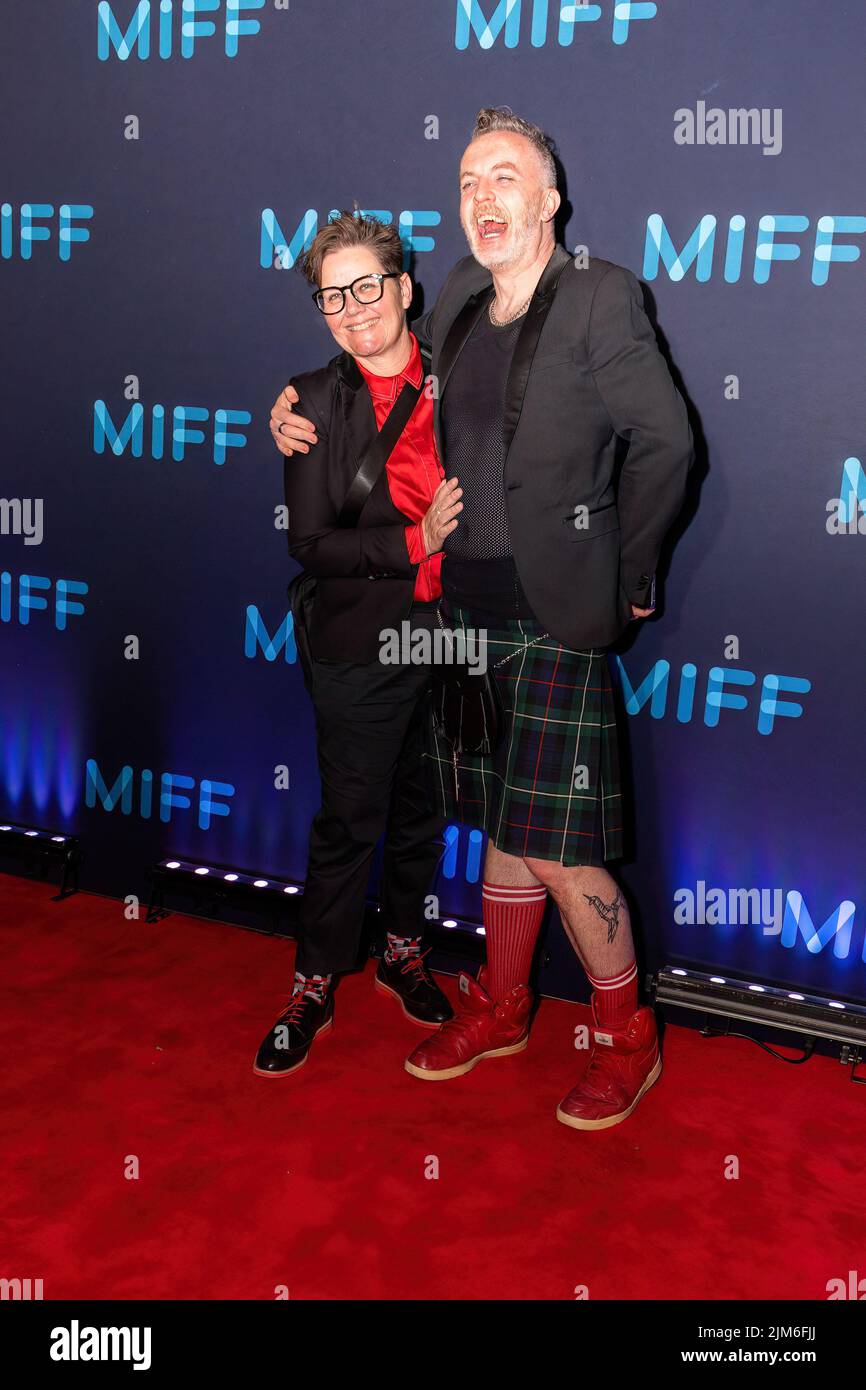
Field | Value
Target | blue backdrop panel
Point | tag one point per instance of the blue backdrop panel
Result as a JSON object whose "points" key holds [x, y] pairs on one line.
{"points": [[162, 167]]}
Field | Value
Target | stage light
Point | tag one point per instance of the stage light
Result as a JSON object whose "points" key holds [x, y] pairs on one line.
{"points": [[456, 938], [44, 850], [218, 882], [209, 886], [813, 1016]]}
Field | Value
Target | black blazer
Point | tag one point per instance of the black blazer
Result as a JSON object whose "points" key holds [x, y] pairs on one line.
{"points": [[350, 608], [586, 372]]}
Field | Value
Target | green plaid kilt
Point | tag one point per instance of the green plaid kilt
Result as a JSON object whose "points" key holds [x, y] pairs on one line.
{"points": [[552, 788]]}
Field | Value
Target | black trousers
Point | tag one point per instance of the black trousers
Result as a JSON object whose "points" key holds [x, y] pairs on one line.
{"points": [[371, 723]]}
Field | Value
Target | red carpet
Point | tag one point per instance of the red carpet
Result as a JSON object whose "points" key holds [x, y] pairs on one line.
{"points": [[124, 1039]]}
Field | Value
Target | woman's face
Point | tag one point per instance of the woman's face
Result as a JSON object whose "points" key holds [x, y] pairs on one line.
{"points": [[365, 330]]}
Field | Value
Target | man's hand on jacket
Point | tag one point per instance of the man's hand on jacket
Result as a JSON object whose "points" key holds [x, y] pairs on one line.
{"points": [[292, 433]]}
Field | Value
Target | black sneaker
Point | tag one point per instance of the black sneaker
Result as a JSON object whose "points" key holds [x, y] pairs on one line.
{"points": [[410, 981], [286, 1046]]}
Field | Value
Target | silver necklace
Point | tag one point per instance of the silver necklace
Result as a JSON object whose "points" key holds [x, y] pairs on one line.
{"points": [[500, 323]]}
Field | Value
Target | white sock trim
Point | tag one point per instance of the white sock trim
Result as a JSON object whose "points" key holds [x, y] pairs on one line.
{"points": [[498, 893], [616, 981]]}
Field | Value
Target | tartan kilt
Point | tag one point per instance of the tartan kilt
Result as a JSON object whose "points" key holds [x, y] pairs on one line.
{"points": [[529, 794]]}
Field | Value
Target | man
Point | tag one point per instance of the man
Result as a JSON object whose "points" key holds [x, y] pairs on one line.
{"points": [[545, 370]]}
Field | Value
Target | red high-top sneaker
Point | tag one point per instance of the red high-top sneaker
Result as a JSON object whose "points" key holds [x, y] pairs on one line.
{"points": [[478, 1029], [624, 1063]]}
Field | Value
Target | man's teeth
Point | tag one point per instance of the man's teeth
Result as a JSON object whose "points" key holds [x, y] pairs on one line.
{"points": [[489, 227], [359, 327]]}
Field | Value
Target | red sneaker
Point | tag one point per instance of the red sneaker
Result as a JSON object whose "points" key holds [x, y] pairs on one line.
{"points": [[623, 1064], [478, 1029]]}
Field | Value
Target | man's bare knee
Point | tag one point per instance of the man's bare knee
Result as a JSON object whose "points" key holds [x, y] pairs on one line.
{"points": [[558, 877], [548, 871], [508, 869]]}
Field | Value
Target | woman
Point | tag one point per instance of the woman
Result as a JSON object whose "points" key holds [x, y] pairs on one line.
{"points": [[370, 715]]}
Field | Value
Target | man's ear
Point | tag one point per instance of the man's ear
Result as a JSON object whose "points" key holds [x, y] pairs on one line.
{"points": [[406, 289], [550, 206]]}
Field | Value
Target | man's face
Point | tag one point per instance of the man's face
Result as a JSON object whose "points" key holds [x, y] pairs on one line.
{"points": [[365, 330], [504, 200]]}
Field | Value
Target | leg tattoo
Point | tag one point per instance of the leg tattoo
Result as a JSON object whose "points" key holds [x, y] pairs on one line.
{"points": [[609, 914]]}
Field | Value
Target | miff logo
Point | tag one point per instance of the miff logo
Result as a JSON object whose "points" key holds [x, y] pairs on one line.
{"points": [[30, 218], [474, 841], [281, 252], [846, 514], [699, 249], [167, 793], [158, 20], [721, 683], [489, 22], [182, 421], [33, 591]]}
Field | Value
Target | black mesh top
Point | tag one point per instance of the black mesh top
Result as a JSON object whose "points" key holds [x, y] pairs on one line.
{"points": [[479, 570]]}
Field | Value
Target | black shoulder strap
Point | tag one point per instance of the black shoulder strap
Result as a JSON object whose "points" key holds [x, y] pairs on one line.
{"points": [[378, 453]]}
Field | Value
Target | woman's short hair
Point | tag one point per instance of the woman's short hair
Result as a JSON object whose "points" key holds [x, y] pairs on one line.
{"points": [[348, 230]]}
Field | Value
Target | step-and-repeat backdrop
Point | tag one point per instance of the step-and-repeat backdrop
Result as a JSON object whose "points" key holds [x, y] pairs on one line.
{"points": [[164, 164]]}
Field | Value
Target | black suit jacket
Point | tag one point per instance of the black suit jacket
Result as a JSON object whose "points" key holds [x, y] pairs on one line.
{"points": [[366, 581], [586, 372]]}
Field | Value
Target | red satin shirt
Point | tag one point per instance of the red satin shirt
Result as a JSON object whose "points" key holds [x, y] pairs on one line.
{"points": [[413, 471]]}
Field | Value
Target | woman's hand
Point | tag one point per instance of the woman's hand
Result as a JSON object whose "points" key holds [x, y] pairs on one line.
{"points": [[441, 516], [292, 433]]}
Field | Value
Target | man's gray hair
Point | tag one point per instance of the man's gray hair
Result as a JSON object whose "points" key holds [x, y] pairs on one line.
{"points": [[495, 118]]}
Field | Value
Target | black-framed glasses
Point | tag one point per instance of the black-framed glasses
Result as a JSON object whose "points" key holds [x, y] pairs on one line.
{"points": [[330, 299]]}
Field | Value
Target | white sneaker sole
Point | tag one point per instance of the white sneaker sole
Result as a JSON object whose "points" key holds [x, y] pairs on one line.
{"points": [[448, 1072], [611, 1119]]}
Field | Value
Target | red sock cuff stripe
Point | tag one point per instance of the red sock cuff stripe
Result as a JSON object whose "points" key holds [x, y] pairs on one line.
{"points": [[499, 893], [616, 981]]}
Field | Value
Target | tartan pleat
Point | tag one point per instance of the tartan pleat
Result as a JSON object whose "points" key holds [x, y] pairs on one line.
{"points": [[560, 717]]}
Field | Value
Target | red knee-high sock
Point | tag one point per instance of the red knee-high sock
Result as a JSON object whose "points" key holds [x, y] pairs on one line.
{"points": [[616, 998], [512, 919]]}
